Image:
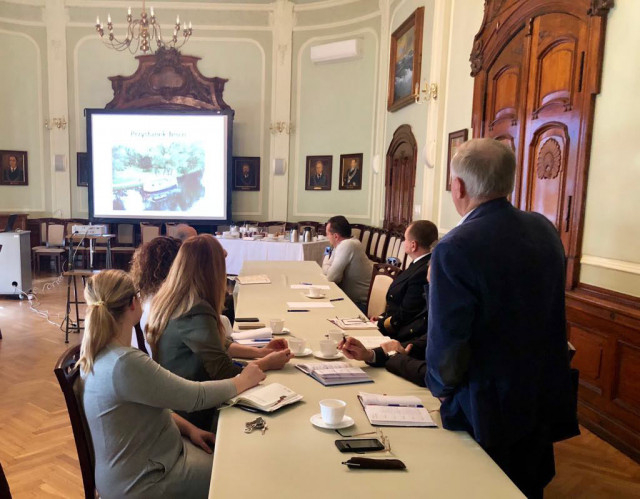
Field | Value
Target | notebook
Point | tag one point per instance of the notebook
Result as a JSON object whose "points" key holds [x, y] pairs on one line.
{"points": [[389, 410], [335, 373], [266, 398]]}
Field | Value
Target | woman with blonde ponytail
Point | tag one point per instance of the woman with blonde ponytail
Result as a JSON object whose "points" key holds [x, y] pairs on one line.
{"points": [[184, 327], [127, 399]]}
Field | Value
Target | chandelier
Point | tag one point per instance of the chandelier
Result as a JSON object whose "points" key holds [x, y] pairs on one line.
{"points": [[142, 32]]}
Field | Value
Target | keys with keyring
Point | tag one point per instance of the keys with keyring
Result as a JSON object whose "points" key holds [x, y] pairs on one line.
{"points": [[257, 424]]}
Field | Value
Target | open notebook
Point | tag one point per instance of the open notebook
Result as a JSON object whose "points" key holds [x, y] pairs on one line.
{"points": [[388, 410], [266, 398]]}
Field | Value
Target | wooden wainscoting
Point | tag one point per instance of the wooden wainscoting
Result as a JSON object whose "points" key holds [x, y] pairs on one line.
{"points": [[605, 329]]}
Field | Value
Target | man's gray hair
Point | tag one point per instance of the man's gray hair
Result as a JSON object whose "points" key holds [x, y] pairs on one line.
{"points": [[486, 166]]}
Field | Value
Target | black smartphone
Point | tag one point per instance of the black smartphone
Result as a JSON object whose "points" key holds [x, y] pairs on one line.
{"points": [[247, 319], [359, 445]]}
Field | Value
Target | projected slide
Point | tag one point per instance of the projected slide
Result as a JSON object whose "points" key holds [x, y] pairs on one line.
{"points": [[164, 166]]}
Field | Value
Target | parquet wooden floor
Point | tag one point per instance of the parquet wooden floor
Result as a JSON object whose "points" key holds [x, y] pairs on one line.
{"points": [[38, 454]]}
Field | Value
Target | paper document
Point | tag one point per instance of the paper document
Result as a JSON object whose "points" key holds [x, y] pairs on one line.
{"points": [[372, 342], [254, 279], [253, 334], [307, 286], [390, 410], [307, 304], [350, 324]]}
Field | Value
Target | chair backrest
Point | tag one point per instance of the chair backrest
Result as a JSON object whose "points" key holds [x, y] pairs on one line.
{"points": [[366, 235], [402, 256], [396, 249], [390, 247], [55, 234], [149, 232], [43, 232], [171, 229], [67, 376], [355, 233], [382, 277], [125, 234], [273, 227], [382, 246], [371, 252]]}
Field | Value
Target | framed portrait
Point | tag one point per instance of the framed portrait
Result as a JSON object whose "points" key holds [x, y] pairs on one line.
{"points": [[82, 173], [318, 173], [14, 168], [351, 171], [246, 173], [456, 139], [406, 61]]}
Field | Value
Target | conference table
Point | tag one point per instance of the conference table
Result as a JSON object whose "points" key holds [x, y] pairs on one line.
{"points": [[241, 250], [296, 459]]}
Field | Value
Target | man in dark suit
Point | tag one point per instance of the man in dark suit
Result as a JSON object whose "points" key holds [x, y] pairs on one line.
{"points": [[352, 178], [319, 177], [405, 316], [246, 177], [497, 348]]}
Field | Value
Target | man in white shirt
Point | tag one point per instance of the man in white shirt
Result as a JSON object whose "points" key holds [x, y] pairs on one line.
{"points": [[348, 265]]}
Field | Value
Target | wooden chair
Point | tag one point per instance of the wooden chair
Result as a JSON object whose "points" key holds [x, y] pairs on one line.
{"points": [[67, 376], [357, 230], [402, 255], [149, 231], [273, 227], [371, 250], [366, 236], [124, 245], [381, 278], [171, 229], [54, 248], [383, 240]]}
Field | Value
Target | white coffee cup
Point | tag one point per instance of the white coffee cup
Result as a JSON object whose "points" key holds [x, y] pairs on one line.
{"points": [[335, 335], [297, 345], [332, 410], [315, 291], [328, 348], [276, 325]]}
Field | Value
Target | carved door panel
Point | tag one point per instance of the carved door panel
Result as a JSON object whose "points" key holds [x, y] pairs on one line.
{"points": [[552, 128], [400, 179], [505, 100]]}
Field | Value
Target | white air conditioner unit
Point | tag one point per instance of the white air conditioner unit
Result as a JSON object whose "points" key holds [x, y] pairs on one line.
{"points": [[336, 51]]}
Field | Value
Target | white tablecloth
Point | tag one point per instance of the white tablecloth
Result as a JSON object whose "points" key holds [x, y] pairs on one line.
{"points": [[240, 251]]}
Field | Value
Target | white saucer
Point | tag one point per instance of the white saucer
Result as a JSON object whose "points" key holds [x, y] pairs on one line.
{"points": [[319, 355], [305, 353], [316, 420], [323, 295], [285, 330]]}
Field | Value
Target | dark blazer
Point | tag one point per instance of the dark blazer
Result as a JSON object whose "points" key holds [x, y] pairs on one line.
{"points": [[497, 343], [318, 181], [411, 366], [406, 303]]}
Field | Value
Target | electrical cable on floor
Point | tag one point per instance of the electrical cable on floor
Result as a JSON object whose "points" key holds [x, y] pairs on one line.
{"points": [[34, 302]]}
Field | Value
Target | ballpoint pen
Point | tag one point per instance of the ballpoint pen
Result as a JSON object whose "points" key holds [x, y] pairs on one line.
{"points": [[336, 299], [290, 310]]}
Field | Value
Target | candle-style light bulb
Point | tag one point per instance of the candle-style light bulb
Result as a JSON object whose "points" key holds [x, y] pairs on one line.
{"points": [[109, 18], [152, 14], [97, 20], [129, 11], [184, 26], [189, 25]]}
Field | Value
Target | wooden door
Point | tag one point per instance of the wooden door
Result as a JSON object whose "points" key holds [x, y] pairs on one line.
{"points": [[537, 66], [400, 179]]}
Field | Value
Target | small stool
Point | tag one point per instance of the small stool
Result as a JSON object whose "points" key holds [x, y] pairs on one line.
{"points": [[72, 276]]}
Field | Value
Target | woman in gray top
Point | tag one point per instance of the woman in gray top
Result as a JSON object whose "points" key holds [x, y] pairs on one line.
{"points": [[137, 441]]}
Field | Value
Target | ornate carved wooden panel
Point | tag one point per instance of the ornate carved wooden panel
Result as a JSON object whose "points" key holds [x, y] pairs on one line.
{"points": [[400, 179], [167, 80], [537, 66]]}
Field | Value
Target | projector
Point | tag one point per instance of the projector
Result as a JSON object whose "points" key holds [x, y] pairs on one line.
{"points": [[88, 230]]}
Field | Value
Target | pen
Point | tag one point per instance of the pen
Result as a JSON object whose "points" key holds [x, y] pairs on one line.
{"points": [[262, 339], [306, 283], [336, 299], [290, 310]]}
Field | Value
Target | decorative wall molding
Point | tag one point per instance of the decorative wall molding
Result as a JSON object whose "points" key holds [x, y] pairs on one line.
{"points": [[42, 207], [296, 163], [22, 22], [338, 24], [181, 6], [611, 264], [327, 4]]}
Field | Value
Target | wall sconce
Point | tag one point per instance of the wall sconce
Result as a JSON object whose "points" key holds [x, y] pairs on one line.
{"points": [[59, 123], [281, 127], [426, 93]]}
